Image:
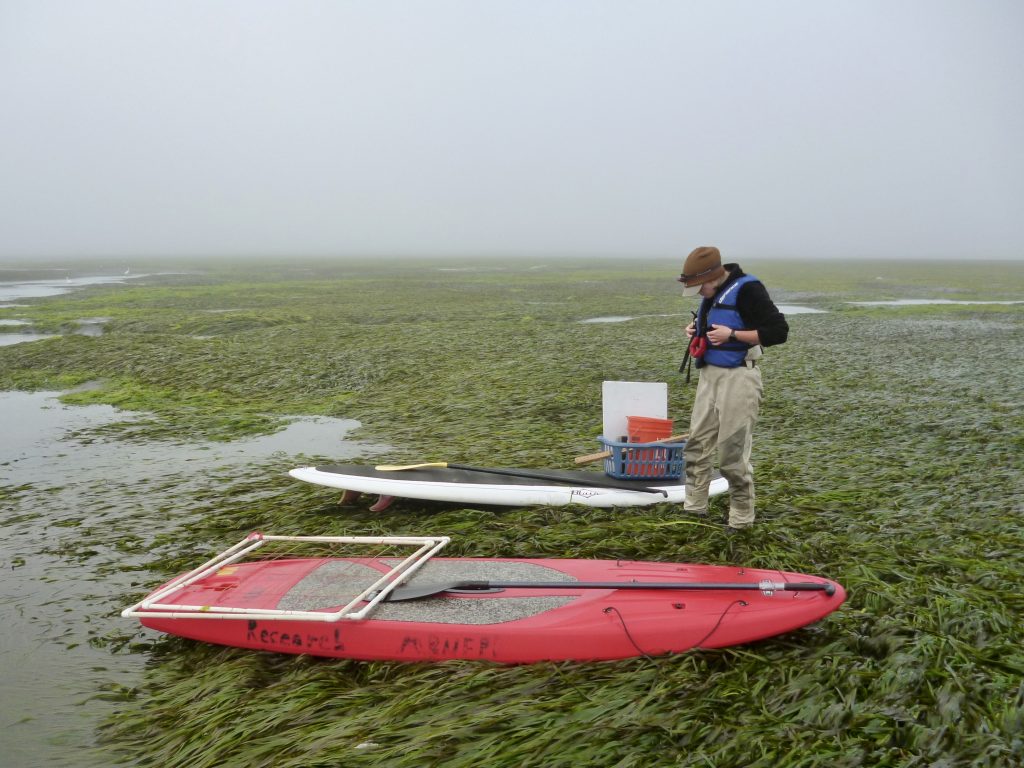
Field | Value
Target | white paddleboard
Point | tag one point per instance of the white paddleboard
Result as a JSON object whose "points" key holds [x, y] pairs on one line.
{"points": [[478, 487]]}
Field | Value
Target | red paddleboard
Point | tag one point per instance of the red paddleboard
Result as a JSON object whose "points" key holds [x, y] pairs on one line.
{"points": [[582, 610]]}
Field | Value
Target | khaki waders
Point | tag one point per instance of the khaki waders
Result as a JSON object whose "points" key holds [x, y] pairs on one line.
{"points": [[725, 410]]}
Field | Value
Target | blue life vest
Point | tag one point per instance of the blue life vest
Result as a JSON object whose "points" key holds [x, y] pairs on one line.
{"points": [[723, 311]]}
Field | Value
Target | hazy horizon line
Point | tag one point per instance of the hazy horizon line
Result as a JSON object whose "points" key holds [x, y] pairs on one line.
{"points": [[127, 259]]}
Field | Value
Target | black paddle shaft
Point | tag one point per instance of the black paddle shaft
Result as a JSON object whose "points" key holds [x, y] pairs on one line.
{"points": [[596, 482], [414, 591]]}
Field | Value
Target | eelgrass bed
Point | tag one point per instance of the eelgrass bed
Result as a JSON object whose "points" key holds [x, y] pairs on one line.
{"points": [[888, 457]]}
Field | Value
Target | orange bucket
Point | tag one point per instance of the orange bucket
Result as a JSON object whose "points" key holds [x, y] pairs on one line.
{"points": [[647, 429]]}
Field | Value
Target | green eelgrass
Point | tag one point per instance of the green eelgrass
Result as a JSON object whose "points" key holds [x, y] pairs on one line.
{"points": [[887, 457]]}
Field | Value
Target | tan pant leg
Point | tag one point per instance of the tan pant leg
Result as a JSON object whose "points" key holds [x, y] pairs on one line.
{"points": [[739, 404], [700, 446]]}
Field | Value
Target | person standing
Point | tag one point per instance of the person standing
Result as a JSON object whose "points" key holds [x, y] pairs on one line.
{"points": [[735, 321]]}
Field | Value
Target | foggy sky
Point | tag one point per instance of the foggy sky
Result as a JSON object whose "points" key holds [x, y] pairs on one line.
{"points": [[879, 128]]}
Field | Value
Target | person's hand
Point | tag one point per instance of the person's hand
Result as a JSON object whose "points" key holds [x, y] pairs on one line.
{"points": [[719, 334], [691, 329]]}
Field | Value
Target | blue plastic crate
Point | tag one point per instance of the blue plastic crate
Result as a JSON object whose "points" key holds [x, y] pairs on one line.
{"points": [[643, 461]]}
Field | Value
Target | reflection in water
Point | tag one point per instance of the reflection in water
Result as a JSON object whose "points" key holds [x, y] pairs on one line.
{"points": [[798, 309], [75, 522], [610, 319], [921, 302], [91, 326], [7, 339], [786, 309], [37, 289]]}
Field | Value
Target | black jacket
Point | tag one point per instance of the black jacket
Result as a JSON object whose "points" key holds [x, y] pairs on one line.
{"points": [[756, 308]]}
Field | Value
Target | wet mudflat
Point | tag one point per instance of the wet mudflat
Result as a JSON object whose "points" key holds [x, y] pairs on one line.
{"points": [[79, 515], [887, 458]]}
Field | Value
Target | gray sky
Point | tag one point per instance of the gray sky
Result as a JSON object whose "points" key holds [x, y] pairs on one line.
{"points": [[874, 128]]}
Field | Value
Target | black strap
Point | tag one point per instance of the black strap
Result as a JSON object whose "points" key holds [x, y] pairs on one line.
{"points": [[687, 364]]}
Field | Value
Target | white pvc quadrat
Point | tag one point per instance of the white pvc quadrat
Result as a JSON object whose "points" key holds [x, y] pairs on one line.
{"points": [[152, 605]]}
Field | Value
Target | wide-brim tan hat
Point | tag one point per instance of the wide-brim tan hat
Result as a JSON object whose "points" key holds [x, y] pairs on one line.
{"points": [[703, 265]]}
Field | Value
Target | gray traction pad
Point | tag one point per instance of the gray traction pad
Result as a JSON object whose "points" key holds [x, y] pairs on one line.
{"points": [[336, 582]]}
